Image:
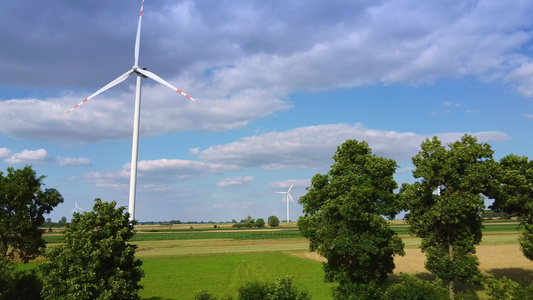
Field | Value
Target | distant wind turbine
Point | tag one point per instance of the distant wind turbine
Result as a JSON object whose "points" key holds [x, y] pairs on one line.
{"points": [[76, 208], [140, 74], [288, 196]]}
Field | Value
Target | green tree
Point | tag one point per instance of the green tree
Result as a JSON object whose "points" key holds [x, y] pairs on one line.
{"points": [[513, 194], [446, 205], [94, 261], [273, 221], [62, 222], [343, 217], [23, 205], [260, 223]]}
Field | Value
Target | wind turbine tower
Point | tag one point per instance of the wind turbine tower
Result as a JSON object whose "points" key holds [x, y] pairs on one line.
{"points": [[288, 196], [136, 120]]}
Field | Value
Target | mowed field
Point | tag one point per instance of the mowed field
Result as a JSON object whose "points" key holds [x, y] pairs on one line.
{"points": [[179, 261]]}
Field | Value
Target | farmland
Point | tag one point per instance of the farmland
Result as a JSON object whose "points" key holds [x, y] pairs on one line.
{"points": [[179, 261]]}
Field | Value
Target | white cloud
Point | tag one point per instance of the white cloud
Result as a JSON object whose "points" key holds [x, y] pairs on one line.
{"points": [[300, 148], [240, 77], [235, 181], [29, 157], [450, 104], [156, 174], [297, 183], [528, 116], [72, 161], [109, 117], [5, 152], [404, 170], [244, 205]]}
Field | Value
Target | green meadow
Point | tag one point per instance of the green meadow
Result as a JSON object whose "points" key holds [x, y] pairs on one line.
{"points": [[182, 276], [179, 261]]}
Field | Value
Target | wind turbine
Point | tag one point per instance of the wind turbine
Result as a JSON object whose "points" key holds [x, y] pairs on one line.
{"points": [[288, 197], [140, 74], [76, 208]]}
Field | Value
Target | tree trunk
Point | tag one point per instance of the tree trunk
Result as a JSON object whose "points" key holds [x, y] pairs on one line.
{"points": [[451, 283]]}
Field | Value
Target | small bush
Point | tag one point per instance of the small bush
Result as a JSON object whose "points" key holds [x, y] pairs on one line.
{"points": [[505, 288], [204, 295], [254, 290], [273, 221], [14, 285], [260, 223], [283, 289], [413, 288], [357, 291]]}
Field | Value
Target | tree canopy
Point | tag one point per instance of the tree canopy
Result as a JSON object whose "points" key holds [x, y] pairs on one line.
{"points": [[513, 194], [446, 205], [273, 221], [343, 216], [23, 204], [94, 261]]}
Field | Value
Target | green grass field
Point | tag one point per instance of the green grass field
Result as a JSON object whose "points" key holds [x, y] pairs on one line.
{"points": [[179, 261], [181, 277]]}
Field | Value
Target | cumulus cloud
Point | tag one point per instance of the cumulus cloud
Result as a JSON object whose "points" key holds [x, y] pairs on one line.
{"points": [[235, 181], [36, 157], [110, 117], [240, 76], [297, 183], [5, 152], [39, 157], [72, 161], [244, 205], [312, 147], [450, 104], [155, 174]]}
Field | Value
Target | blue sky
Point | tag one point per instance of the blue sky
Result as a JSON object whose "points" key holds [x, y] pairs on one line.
{"points": [[280, 85]]}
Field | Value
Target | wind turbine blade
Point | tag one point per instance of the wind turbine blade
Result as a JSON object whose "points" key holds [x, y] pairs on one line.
{"points": [[108, 86], [163, 82], [138, 37], [290, 188], [289, 195]]}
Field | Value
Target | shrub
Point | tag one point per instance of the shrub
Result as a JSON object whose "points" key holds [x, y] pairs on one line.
{"points": [[273, 221], [413, 288], [357, 291], [260, 223], [505, 288], [204, 295], [16, 285], [283, 289], [254, 290]]}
